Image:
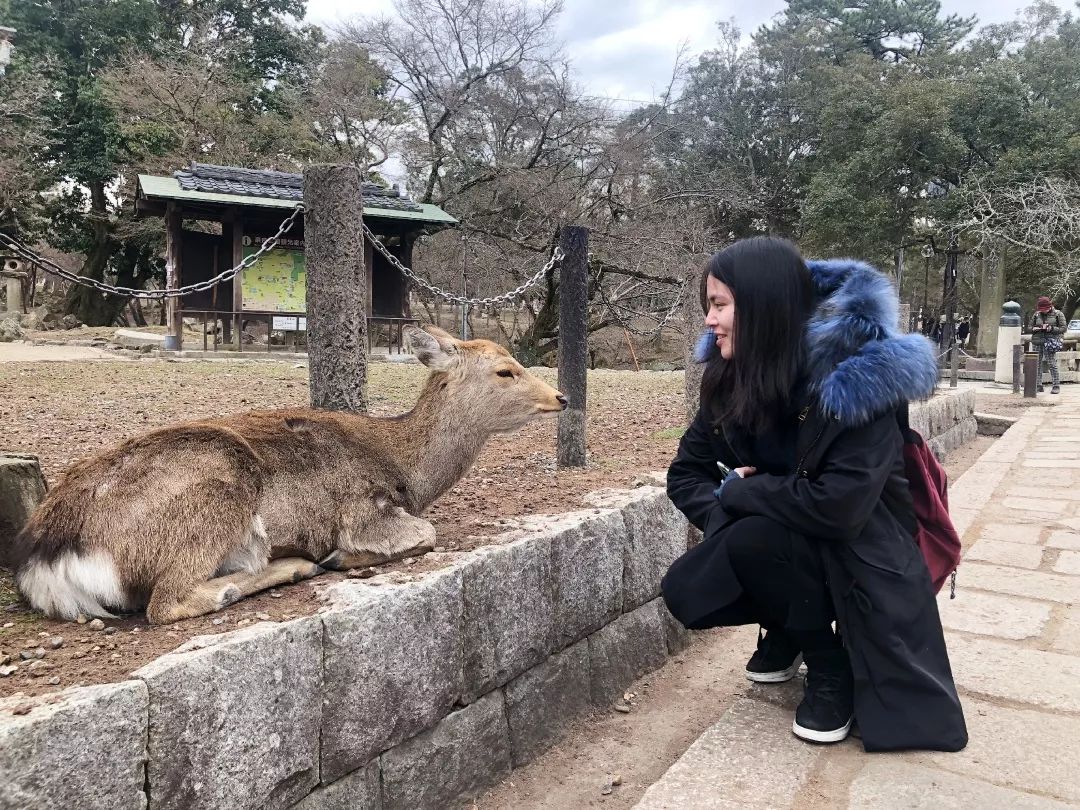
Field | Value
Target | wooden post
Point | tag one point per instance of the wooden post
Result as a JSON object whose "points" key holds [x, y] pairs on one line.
{"points": [[337, 289], [175, 329], [573, 355], [238, 281]]}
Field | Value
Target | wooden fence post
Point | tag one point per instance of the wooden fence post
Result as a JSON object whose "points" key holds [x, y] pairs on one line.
{"points": [[573, 357], [336, 287]]}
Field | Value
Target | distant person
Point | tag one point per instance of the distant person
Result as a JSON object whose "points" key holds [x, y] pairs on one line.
{"points": [[1047, 327], [793, 469], [963, 331]]}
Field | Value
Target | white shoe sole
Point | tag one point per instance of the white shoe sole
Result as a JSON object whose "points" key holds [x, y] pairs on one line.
{"points": [[810, 735], [780, 676]]}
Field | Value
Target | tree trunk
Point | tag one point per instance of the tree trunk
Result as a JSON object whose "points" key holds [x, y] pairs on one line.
{"points": [[88, 305]]}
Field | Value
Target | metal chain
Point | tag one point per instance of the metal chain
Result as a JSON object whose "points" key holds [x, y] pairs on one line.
{"points": [[556, 257], [51, 267]]}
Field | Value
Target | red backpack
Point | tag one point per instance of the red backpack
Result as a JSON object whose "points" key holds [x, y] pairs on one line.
{"points": [[928, 483]]}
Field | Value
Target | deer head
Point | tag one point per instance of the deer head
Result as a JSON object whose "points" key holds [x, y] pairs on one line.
{"points": [[483, 380]]}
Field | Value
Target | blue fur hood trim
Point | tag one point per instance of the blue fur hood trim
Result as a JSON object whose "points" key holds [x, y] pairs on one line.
{"points": [[860, 364]]}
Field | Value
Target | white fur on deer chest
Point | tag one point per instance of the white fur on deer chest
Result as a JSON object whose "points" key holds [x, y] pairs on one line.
{"points": [[234, 719]]}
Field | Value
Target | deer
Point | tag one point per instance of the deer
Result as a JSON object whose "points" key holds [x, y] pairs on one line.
{"points": [[188, 519]]}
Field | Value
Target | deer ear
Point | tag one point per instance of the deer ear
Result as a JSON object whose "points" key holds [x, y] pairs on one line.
{"points": [[433, 347]]}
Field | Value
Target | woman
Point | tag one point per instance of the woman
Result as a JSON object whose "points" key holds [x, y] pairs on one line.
{"points": [[806, 379], [1047, 327]]}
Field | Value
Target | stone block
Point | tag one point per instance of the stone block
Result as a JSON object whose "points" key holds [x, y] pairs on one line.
{"points": [[655, 538], [656, 535], [1032, 677], [1046, 506], [1032, 584], [1067, 638], [676, 636], [990, 614], [391, 666], [893, 783], [1068, 563], [749, 759], [626, 649], [465, 753], [234, 718], [542, 702], [83, 748], [359, 790], [1015, 554], [1063, 539], [22, 487], [1009, 747], [587, 553], [1044, 492], [509, 616], [993, 425], [1012, 533]]}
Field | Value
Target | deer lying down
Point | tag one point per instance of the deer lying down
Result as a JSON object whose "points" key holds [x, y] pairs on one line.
{"points": [[188, 519]]}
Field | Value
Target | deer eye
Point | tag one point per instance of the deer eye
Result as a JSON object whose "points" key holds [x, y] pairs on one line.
{"points": [[505, 373]]}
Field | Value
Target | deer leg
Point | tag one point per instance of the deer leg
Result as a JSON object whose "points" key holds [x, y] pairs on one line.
{"points": [[386, 538], [220, 592]]}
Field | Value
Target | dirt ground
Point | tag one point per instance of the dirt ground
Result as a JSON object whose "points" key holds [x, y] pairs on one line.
{"points": [[66, 411]]}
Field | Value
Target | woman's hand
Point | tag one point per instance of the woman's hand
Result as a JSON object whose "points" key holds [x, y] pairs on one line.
{"points": [[744, 472], [738, 472]]}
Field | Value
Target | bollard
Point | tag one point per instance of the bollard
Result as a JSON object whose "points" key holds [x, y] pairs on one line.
{"points": [[1018, 355], [1031, 374], [573, 344], [954, 364], [1009, 328]]}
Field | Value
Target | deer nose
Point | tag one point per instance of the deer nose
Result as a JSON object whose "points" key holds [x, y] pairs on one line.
{"points": [[562, 401]]}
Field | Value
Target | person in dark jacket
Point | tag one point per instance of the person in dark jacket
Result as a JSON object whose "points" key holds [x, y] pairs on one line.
{"points": [[1047, 326], [793, 470]]}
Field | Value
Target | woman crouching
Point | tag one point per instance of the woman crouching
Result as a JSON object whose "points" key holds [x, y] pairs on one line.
{"points": [[793, 469]]}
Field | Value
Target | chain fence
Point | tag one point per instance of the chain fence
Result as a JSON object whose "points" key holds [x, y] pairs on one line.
{"points": [[34, 259], [25, 253], [491, 301]]}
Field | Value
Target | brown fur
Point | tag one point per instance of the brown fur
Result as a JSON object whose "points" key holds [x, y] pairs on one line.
{"points": [[177, 510]]}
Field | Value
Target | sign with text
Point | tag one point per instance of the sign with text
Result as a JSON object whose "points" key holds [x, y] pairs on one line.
{"points": [[277, 282]]}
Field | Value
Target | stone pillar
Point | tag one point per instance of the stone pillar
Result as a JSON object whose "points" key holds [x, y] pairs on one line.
{"points": [[336, 287], [1009, 329], [22, 487], [14, 294], [991, 298]]}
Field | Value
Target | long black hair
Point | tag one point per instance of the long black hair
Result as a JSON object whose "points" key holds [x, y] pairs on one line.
{"points": [[774, 298]]}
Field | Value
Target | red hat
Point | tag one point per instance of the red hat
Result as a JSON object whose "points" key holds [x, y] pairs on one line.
{"points": [[1045, 305]]}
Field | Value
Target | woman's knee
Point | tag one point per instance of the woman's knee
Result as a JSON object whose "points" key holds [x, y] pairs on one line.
{"points": [[753, 537]]}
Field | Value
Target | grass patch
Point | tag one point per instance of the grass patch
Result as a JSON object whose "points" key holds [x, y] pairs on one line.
{"points": [[8, 594], [670, 433]]}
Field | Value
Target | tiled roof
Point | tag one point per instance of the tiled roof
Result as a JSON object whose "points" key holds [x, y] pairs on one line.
{"points": [[277, 185]]}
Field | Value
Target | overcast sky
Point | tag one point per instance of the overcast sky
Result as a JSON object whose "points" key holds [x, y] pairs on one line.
{"points": [[626, 48]]}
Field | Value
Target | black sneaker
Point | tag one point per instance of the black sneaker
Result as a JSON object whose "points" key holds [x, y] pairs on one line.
{"points": [[827, 707], [1056, 389], [776, 660]]}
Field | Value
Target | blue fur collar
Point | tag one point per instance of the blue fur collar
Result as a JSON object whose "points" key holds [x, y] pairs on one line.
{"points": [[860, 364]]}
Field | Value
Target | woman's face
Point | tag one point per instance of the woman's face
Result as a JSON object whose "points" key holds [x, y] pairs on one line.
{"points": [[720, 319]]}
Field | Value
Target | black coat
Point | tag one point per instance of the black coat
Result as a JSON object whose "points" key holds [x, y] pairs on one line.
{"points": [[849, 498]]}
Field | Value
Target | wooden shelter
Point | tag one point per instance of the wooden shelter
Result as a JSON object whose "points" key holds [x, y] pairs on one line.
{"points": [[229, 211]]}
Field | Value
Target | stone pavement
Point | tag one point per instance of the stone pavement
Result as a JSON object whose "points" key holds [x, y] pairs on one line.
{"points": [[1014, 639]]}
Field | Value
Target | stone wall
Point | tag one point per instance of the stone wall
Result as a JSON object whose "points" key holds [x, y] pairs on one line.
{"points": [[947, 421], [398, 694]]}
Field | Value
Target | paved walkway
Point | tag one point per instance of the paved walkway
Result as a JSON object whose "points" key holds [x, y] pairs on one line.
{"points": [[1014, 638]]}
